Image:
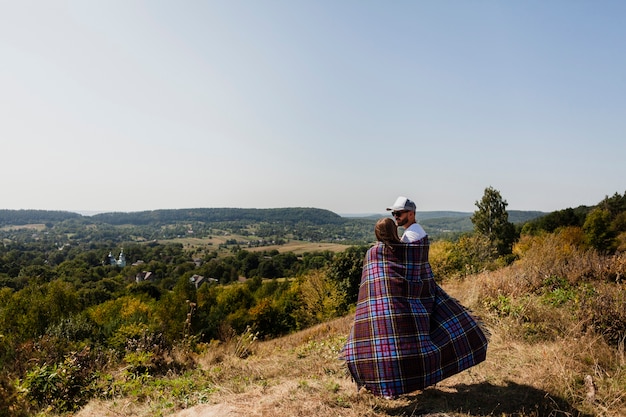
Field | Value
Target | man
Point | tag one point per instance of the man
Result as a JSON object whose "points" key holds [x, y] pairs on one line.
{"points": [[403, 211]]}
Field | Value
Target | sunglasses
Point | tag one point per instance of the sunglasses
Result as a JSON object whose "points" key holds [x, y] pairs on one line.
{"points": [[398, 213]]}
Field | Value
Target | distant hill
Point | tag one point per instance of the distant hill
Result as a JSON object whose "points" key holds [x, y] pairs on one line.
{"points": [[419, 215], [438, 223], [443, 222], [306, 223], [22, 217], [216, 215], [515, 216], [208, 215]]}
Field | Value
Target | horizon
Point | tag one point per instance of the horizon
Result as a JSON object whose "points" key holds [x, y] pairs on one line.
{"points": [[127, 106], [88, 213]]}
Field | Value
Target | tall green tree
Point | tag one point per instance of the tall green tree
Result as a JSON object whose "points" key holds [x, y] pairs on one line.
{"points": [[345, 270], [492, 220], [598, 231]]}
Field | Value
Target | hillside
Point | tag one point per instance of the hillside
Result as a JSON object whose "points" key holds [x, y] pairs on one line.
{"points": [[305, 224], [217, 215], [299, 375]]}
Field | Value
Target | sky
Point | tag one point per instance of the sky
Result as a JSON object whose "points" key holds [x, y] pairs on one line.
{"points": [[341, 105]]}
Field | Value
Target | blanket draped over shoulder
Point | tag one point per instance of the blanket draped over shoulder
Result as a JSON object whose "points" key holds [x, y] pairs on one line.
{"points": [[408, 333]]}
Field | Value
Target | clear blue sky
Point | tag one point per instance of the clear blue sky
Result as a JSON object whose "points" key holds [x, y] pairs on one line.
{"points": [[342, 105]]}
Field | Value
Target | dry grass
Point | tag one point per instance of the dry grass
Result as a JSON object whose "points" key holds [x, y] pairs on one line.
{"points": [[33, 226], [294, 246], [299, 247]]}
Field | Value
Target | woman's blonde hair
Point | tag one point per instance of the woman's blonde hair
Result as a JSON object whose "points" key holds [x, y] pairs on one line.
{"points": [[386, 231]]}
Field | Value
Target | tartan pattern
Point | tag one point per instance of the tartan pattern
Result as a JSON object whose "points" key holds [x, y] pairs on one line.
{"points": [[408, 333]]}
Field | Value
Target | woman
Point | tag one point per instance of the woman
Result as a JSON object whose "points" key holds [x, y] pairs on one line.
{"points": [[386, 231], [408, 333]]}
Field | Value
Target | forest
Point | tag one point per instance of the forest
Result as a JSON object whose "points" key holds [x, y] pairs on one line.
{"points": [[70, 311]]}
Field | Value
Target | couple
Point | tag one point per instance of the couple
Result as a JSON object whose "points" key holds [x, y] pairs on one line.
{"points": [[403, 210], [408, 333]]}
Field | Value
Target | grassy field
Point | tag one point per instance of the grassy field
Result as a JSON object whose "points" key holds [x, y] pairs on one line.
{"points": [[297, 247], [34, 226]]}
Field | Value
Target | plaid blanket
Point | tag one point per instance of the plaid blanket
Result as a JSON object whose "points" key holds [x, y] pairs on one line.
{"points": [[408, 333]]}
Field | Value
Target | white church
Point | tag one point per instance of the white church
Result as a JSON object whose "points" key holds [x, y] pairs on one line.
{"points": [[120, 261]]}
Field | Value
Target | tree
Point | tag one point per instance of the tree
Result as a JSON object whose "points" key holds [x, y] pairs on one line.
{"points": [[346, 269], [492, 220], [598, 231], [322, 298]]}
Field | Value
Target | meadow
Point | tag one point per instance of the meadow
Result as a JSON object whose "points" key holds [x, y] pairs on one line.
{"points": [[296, 247]]}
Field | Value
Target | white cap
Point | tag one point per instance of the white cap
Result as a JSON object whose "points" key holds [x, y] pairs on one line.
{"points": [[402, 203]]}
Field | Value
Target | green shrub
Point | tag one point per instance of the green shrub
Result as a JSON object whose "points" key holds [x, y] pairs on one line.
{"points": [[75, 328], [129, 334], [62, 387], [504, 306], [558, 291], [139, 363]]}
